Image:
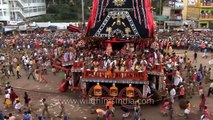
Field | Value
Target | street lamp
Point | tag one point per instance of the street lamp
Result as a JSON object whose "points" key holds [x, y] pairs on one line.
{"points": [[160, 7]]}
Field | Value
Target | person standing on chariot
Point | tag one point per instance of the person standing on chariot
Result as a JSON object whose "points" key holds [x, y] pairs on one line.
{"points": [[172, 94], [177, 79], [109, 49], [96, 66]]}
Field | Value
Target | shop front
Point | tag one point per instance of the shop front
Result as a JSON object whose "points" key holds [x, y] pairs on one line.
{"points": [[170, 25]]}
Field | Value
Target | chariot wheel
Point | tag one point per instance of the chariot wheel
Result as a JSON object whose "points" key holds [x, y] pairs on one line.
{"points": [[127, 102], [105, 91]]}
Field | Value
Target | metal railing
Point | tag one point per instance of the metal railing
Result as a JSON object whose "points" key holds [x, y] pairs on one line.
{"points": [[17, 9], [116, 75], [21, 2]]}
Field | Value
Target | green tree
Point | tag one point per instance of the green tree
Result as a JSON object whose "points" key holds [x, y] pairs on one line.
{"points": [[156, 4]]}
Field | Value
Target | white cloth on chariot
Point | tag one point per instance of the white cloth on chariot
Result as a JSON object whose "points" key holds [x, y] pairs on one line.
{"points": [[177, 80]]}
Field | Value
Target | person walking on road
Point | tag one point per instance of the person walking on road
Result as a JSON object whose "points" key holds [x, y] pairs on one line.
{"points": [[202, 102], [26, 116], [31, 71], [136, 115], [45, 107], [11, 71], [62, 112], [210, 91], [109, 114], [1, 115], [208, 74], [195, 57], [5, 71], [42, 78], [11, 117], [26, 99], [182, 92], [37, 74], [18, 68], [41, 118], [206, 114]]}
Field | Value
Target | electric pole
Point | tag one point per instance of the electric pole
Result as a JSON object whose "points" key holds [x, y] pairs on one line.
{"points": [[83, 21]]}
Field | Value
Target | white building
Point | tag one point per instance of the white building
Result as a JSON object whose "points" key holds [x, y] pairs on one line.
{"points": [[17, 10]]}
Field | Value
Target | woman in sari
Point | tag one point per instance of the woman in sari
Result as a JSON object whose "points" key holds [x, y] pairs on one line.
{"points": [[42, 78], [13, 96], [37, 74], [7, 100]]}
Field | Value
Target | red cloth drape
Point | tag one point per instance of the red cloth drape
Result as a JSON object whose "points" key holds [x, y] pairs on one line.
{"points": [[73, 28], [149, 17], [115, 40], [92, 16]]}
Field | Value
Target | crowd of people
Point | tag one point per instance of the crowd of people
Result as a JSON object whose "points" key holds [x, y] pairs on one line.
{"points": [[12, 100], [197, 41], [35, 53]]}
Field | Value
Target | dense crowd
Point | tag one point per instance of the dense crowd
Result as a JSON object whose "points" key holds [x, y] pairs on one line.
{"points": [[187, 40], [35, 53]]}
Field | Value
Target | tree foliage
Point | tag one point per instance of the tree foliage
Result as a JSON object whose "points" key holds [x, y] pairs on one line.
{"points": [[70, 10], [65, 10], [156, 4]]}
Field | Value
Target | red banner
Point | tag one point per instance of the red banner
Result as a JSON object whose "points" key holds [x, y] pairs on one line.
{"points": [[92, 18], [149, 16]]}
